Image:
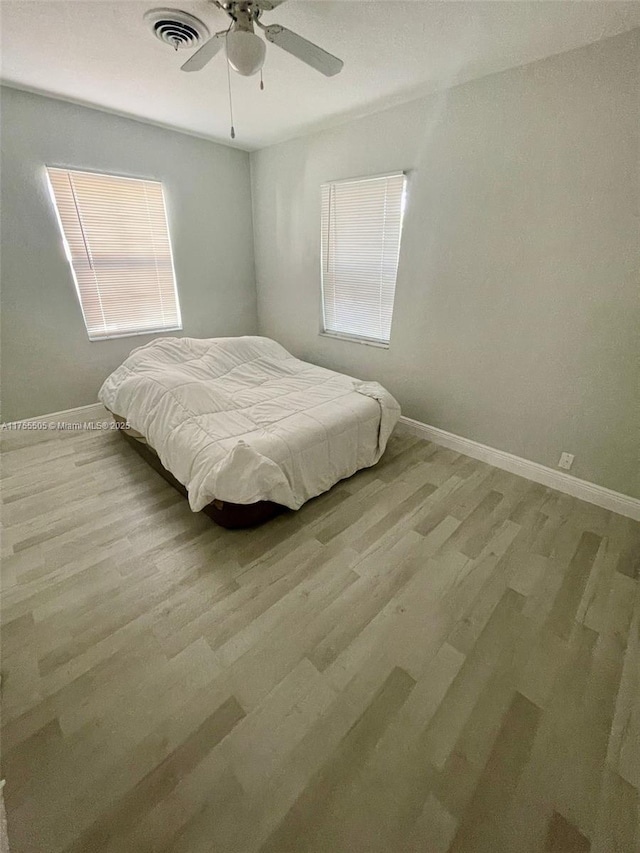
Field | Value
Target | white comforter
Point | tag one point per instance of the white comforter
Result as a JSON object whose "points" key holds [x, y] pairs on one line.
{"points": [[242, 420]]}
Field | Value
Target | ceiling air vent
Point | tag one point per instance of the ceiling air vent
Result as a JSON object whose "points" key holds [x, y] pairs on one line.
{"points": [[176, 28]]}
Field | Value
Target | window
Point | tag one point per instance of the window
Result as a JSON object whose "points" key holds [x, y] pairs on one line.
{"points": [[361, 228], [117, 242]]}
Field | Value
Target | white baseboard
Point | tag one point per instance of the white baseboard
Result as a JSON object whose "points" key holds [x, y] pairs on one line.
{"points": [[559, 480], [80, 415]]}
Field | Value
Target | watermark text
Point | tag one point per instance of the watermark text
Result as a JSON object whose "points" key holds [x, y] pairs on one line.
{"points": [[63, 425]]}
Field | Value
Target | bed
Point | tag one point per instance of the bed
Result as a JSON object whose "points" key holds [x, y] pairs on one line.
{"points": [[244, 428]]}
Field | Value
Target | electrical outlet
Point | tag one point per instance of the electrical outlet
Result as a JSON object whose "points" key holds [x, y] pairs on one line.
{"points": [[566, 461]]}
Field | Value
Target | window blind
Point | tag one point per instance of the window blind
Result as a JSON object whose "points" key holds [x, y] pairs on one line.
{"points": [[361, 229], [117, 242]]}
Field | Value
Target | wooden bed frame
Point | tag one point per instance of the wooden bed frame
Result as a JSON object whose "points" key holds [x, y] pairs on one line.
{"points": [[226, 514]]}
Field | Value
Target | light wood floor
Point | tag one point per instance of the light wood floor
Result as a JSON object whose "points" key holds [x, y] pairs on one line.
{"points": [[434, 656]]}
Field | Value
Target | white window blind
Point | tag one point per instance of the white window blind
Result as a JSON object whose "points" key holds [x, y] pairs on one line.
{"points": [[361, 230], [117, 242]]}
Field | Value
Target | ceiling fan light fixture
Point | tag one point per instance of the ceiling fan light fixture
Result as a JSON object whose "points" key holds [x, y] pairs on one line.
{"points": [[245, 52]]}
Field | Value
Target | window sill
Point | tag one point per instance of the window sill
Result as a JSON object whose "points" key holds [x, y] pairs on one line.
{"points": [[135, 334], [369, 342]]}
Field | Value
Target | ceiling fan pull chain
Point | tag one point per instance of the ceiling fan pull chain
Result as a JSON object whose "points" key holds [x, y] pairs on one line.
{"points": [[233, 130], [261, 82]]}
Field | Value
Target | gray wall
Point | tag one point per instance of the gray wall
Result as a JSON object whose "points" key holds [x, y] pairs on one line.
{"points": [[48, 362], [517, 304]]}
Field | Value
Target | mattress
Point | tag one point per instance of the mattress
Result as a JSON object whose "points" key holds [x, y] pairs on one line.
{"points": [[242, 420]]}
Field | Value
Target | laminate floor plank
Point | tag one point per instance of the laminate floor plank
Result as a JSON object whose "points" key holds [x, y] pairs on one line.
{"points": [[434, 656]]}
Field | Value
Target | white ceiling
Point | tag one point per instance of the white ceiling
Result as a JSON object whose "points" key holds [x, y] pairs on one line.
{"points": [[103, 53]]}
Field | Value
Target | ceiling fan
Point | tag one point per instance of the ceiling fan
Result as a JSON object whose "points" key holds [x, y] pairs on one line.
{"points": [[246, 50]]}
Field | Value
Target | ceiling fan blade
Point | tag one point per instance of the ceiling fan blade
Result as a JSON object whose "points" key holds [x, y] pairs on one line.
{"points": [[205, 53], [307, 51], [267, 5]]}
